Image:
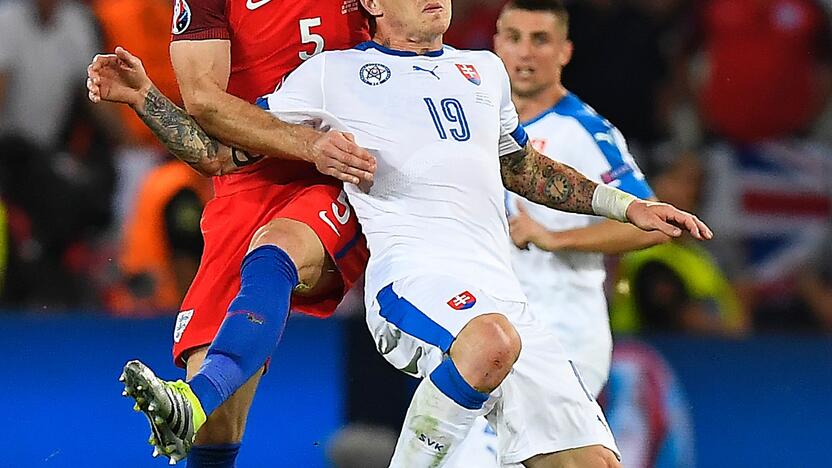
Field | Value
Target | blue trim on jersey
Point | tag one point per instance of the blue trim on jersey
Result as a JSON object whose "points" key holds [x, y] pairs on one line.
{"points": [[349, 245], [572, 106], [409, 319], [520, 136], [400, 53], [262, 102]]}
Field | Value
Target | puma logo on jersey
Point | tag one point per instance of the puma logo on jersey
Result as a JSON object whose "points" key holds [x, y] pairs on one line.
{"points": [[252, 5], [432, 72], [431, 443]]}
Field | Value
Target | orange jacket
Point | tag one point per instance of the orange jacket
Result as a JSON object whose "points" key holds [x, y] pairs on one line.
{"points": [[145, 249], [142, 27]]}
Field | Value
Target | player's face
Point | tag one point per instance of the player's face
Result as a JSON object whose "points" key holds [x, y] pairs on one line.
{"points": [[535, 48], [416, 19]]}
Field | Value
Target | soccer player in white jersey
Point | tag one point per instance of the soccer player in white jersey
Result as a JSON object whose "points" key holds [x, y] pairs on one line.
{"points": [[559, 255], [442, 301]]}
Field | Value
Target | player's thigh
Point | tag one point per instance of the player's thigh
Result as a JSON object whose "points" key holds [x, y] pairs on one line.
{"points": [[319, 230], [545, 406], [414, 321], [227, 423], [594, 456]]}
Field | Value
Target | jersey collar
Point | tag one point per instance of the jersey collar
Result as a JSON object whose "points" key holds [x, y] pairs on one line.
{"points": [[563, 106], [400, 53]]}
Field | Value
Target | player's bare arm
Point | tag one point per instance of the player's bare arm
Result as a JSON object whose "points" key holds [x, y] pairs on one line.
{"points": [[543, 180], [607, 237], [182, 136], [121, 77], [202, 69], [115, 79]]}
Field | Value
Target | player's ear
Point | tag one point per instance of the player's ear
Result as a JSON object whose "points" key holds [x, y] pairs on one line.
{"points": [[372, 7], [566, 53]]}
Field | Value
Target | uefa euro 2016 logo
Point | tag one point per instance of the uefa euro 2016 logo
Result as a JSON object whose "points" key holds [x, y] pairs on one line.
{"points": [[181, 16], [374, 74]]}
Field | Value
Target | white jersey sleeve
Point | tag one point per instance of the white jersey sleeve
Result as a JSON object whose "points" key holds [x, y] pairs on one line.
{"points": [[301, 97], [300, 91], [513, 137]]}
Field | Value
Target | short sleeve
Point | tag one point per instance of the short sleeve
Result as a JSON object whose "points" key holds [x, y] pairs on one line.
{"points": [[513, 136], [624, 171], [195, 20], [302, 90]]}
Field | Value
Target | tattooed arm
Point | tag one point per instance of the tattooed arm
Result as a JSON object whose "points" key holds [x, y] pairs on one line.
{"points": [[556, 185], [547, 182], [121, 77], [184, 138]]}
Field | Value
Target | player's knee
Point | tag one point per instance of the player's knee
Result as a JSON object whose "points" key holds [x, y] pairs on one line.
{"points": [[605, 458], [485, 350], [597, 456]]}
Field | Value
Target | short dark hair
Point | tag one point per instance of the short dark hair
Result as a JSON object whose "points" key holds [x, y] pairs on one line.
{"points": [[556, 7]]}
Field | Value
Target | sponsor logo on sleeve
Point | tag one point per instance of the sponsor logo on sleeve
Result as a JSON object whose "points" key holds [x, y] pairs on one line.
{"points": [[616, 173]]}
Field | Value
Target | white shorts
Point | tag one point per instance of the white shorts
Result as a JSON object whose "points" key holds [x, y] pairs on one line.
{"points": [[542, 406]]}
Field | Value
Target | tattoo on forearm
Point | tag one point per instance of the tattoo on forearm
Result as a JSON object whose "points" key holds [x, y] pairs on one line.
{"points": [[542, 180], [178, 131]]}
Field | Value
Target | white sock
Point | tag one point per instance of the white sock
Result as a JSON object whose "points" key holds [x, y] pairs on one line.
{"points": [[436, 423]]}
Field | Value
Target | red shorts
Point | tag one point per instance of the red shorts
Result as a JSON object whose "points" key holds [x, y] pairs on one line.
{"points": [[228, 224]]}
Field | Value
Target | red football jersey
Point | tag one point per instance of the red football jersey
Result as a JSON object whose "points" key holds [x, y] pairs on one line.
{"points": [[269, 39]]}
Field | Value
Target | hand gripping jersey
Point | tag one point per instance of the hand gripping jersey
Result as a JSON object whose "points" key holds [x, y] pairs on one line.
{"points": [[269, 38], [565, 289], [436, 124]]}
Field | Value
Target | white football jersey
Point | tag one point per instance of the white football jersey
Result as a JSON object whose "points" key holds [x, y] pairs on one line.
{"points": [[565, 289], [436, 124]]}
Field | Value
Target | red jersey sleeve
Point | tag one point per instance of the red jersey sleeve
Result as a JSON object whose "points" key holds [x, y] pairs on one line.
{"points": [[195, 20]]}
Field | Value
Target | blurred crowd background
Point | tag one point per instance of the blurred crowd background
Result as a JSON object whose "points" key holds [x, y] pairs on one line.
{"points": [[725, 104]]}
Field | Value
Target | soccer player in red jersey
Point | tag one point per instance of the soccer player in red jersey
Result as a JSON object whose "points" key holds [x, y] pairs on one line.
{"points": [[284, 219]]}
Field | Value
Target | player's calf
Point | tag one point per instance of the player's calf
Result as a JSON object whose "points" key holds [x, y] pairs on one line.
{"points": [[217, 442], [226, 425], [448, 401]]}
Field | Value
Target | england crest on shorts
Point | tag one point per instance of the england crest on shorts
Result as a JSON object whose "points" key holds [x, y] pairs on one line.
{"points": [[182, 321], [462, 301], [470, 73], [181, 16]]}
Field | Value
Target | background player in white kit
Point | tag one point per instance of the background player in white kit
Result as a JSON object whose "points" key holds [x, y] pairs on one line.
{"points": [[559, 256], [442, 300]]}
